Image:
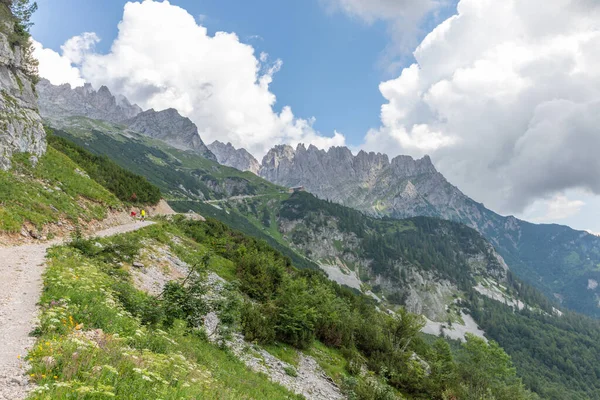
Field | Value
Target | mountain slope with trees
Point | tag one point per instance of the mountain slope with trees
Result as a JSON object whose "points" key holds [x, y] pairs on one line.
{"points": [[428, 245], [556, 259]]}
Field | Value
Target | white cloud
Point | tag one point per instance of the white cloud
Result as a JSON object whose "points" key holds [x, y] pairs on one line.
{"points": [[163, 58], [504, 96], [76, 48], [558, 208], [56, 68]]}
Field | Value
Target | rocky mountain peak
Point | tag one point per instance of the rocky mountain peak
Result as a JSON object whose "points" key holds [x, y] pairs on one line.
{"points": [[237, 158], [170, 127], [63, 101], [408, 166], [329, 173]]}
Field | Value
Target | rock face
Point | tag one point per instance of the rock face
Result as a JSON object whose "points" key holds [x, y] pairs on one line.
{"points": [[402, 187], [21, 127], [556, 259], [59, 102], [170, 127], [237, 158]]}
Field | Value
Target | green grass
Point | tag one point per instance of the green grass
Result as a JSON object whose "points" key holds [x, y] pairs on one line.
{"points": [[331, 360], [126, 360], [164, 166], [55, 188], [284, 353], [125, 185]]}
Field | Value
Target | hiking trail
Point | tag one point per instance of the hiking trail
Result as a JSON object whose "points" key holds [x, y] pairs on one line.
{"points": [[21, 269]]}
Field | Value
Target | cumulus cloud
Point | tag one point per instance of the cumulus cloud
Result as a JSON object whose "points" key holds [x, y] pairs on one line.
{"points": [[56, 68], [504, 95], [558, 208], [162, 57]]}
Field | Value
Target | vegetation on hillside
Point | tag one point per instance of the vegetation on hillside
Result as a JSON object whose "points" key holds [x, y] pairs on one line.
{"points": [[52, 190], [180, 175], [127, 186], [88, 287], [557, 260], [533, 338], [557, 357], [101, 338]]}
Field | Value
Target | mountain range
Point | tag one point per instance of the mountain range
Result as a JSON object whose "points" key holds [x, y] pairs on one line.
{"points": [[561, 262], [389, 237], [60, 103]]}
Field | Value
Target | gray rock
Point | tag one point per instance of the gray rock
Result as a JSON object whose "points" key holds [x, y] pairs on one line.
{"points": [[58, 102], [370, 182], [21, 127], [170, 127], [237, 158]]}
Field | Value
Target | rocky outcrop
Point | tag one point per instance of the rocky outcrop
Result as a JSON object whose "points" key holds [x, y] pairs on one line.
{"points": [[402, 187], [21, 127], [172, 128], [556, 259], [237, 158], [419, 288], [60, 102]]}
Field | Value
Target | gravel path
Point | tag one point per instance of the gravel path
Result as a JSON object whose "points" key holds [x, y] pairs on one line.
{"points": [[21, 271]]}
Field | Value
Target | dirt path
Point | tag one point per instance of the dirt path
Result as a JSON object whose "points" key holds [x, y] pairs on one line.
{"points": [[21, 271]]}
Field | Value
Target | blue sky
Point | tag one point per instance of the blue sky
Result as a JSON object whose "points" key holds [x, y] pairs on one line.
{"points": [[331, 62], [498, 95]]}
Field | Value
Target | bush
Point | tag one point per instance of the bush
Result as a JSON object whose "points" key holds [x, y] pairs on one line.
{"points": [[260, 274], [258, 322], [296, 317]]}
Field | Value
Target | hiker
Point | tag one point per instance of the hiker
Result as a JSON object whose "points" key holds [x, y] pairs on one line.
{"points": [[133, 214], [143, 214]]}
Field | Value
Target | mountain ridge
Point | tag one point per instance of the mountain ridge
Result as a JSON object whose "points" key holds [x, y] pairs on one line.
{"points": [[236, 158], [59, 103], [555, 258], [172, 128]]}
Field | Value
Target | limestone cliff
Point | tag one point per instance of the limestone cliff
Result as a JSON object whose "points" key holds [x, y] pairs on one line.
{"points": [[556, 259], [237, 158], [59, 102], [21, 127], [172, 128]]}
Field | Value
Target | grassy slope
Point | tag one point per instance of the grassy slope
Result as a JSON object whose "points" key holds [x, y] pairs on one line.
{"points": [[127, 360], [168, 168], [54, 189], [248, 221]]}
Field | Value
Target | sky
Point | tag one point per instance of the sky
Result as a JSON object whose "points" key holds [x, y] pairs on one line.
{"points": [[502, 95]]}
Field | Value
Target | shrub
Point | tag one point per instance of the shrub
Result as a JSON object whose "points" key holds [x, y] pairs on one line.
{"points": [[296, 317], [258, 322]]}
